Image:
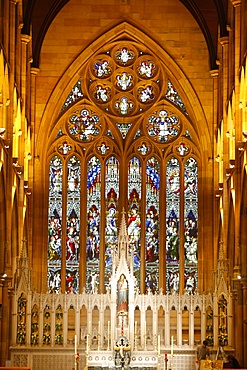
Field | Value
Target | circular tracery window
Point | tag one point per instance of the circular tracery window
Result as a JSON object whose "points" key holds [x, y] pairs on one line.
{"points": [[124, 82]]}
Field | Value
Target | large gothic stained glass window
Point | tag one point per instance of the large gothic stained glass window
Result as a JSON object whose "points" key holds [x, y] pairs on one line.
{"points": [[124, 148]]}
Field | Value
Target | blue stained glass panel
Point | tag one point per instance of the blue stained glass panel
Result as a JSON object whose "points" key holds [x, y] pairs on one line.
{"points": [[172, 224], [93, 224], [191, 225], [112, 199], [134, 218], [152, 224], [55, 224], [73, 224]]}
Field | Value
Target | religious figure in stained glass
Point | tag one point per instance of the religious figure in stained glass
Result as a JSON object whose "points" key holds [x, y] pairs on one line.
{"points": [[146, 69], [152, 224], [124, 55], [163, 125], [146, 94], [190, 282], [75, 94], [64, 148], [102, 68], [190, 225], [102, 93], [172, 240], [124, 105], [173, 281], [72, 239], [93, 222], [174, 96], [124, 81], [55, 233], [83, 125]]}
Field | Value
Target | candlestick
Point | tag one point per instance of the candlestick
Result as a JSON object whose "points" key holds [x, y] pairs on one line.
{"points": [[75, 344], [172, 347]]}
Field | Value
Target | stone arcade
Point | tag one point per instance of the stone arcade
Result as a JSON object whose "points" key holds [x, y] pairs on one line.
{"points": [[119, 329]]}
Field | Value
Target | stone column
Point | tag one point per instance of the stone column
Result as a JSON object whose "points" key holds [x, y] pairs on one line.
{"points": [[244, 337], [179, 328], [5, 320], [77, 325], [14, 318], [230, 322], [191, 328], [41, 324], [167, 328], [53, 323], [143, 329], [215, 320], [28, 319], [89, 327], [65, 328]]}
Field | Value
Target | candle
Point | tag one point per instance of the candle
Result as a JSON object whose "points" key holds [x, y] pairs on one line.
{"points": [[87, 344], [89, 327], [135, 327], [172, 347], [108, 330], [145, 328], [75, 344], [158, 345]]}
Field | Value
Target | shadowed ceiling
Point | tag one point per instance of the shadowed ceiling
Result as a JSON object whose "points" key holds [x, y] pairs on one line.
{"points": [[211, 16]]}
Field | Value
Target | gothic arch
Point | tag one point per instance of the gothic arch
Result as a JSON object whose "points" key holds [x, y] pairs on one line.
{"points": [[124, 31]]}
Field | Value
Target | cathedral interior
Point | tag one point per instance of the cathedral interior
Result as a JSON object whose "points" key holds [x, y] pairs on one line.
{"points": [[123, 183]]}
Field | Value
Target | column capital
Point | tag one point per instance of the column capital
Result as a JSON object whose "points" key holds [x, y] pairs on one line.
{"points": [[35, 71], [25, 38], [214, 73], [224, 40], [236, 2]]}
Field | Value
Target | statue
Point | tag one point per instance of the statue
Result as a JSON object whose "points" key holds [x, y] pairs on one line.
{"points": [[122, 299]]}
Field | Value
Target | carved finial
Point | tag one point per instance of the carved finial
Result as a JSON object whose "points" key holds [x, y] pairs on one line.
{"points": [[221, 250]]}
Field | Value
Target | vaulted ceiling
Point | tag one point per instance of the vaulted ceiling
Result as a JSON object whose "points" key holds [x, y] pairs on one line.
{"points": [[211, 16]]}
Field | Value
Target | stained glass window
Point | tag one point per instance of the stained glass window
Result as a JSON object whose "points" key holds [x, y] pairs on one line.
{"points": [[152, 224], [190, 225], [73, 225], [74, 95], [134, 218], [174, 96], [112, 199], [55, 225], [93, 224], [126, 142], [172, 224]]}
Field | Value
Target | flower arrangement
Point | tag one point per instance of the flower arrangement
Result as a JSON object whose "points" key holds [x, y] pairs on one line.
{"points": [[59, 339], [77, 357], [34, 338], [21, 337], [46, 338], [222, 338]]}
